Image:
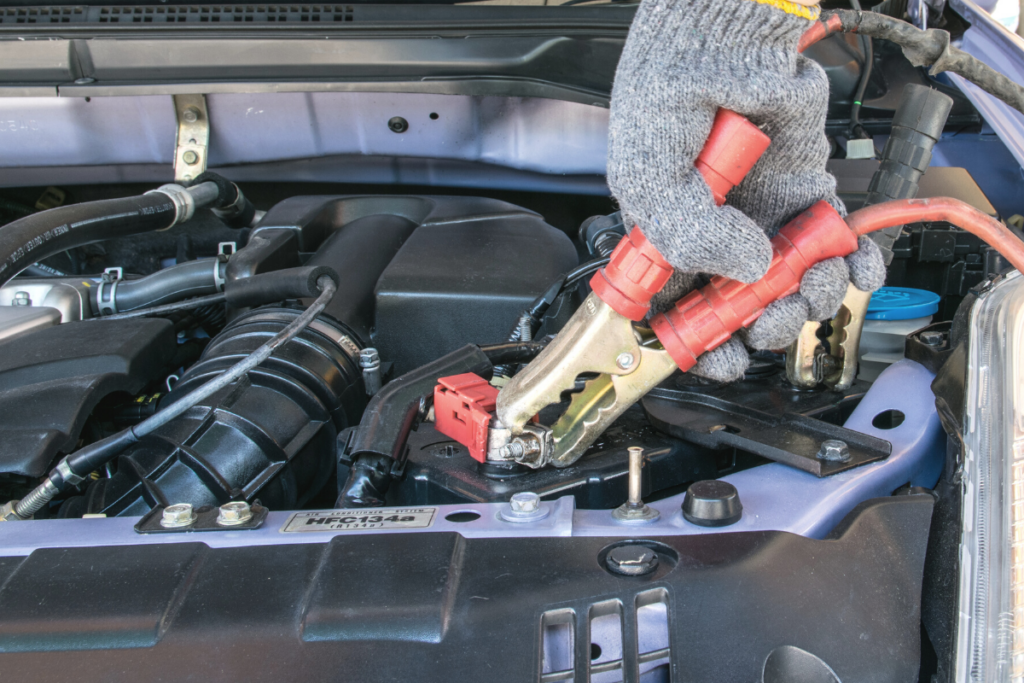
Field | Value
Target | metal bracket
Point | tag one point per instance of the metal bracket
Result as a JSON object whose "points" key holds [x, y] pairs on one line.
{"points": [[193, 137], [790, 438]]}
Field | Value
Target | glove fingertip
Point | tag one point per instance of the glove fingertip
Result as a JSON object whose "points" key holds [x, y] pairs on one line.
{"points": [[727, 363], [867, 266], [779, 325], [824, 288]]}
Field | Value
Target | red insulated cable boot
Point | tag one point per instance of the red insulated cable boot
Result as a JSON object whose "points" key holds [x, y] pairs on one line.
{"points": [[705, 318], [731, 150], [634, 274], [637, 271]]}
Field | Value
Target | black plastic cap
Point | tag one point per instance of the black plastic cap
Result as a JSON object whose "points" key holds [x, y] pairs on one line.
{"points": [[712, 503]]}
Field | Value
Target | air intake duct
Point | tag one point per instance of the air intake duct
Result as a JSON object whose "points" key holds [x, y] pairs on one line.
{"points": [[270, 436]]}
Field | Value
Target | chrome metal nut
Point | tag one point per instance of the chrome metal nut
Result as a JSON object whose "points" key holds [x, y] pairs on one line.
{"points": [[177, 516], [234, 513]]}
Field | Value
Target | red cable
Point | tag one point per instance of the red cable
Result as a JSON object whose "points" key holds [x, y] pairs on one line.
{"points": [[820, 30], [904, 211]]}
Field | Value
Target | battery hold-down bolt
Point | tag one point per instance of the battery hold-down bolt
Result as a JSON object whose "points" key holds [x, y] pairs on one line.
{"points": [[834, 450], [524, 507], [634, 510]]}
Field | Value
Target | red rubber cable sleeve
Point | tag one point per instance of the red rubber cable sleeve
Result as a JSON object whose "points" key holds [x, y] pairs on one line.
{"points": [[960, 214]]}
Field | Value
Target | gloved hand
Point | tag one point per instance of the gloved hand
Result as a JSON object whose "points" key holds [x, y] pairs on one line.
{"points": [[682, 61]]}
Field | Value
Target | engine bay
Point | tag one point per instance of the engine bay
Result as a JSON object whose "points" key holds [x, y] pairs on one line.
{"points": [[421, 277]]}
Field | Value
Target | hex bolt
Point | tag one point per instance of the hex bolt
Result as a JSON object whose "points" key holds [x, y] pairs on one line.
{"points": [[634, 509], [22, 299], [834, 450], [524, 507], [932, 338], [234, 513], [631, 560], [625, 361], [369, 361], [177, 516], [190, 115], [190, 158], [525, 502]]}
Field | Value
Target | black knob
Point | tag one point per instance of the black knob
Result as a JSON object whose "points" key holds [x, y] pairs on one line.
{"points": [[712, 503]]}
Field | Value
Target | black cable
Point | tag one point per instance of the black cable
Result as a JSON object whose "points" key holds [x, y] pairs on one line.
{"points": [[76, 466], [862, 84], [168, 308], [580, 272], [923, 48]]}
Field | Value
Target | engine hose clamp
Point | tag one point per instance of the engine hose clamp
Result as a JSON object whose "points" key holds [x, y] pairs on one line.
{"points": [[107, 305], [219, 268], [233, 209], [184, 202]]}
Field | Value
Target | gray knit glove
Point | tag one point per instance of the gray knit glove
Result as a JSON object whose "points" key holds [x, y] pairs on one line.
{"points": [[683, 60]]}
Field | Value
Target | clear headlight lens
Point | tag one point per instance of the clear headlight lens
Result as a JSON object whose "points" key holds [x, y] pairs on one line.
{"points": [[990, 636]]}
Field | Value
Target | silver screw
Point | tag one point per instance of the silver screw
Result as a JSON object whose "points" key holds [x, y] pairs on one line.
{"points": [[932, 338], [526, 502], [178, 515], [191, 115], [190, 158], [524, 507], [636, 464], [624, 361], [634, 509], [22, 299], [834, 450], [234, 513], [369, 361]]}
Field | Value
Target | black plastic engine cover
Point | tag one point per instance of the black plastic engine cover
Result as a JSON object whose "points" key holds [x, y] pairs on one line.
{"points": [[440, 607], [52, 379], [464, 278]]}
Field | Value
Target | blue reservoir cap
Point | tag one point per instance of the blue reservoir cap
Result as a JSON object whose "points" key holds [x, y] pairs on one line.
{"points": [[902, 303]]}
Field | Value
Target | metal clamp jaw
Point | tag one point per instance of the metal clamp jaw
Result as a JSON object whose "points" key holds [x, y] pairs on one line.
{"points": [[617, 363], [808, 361]]}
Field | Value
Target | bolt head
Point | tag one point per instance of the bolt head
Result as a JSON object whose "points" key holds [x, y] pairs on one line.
{"points": [[932, 338], [527, 502], [191, 115], [190, 158], [22, 299], [398, 125], [178, 515], [625, 361], [632, 560], [834, 450], [234, 513]]}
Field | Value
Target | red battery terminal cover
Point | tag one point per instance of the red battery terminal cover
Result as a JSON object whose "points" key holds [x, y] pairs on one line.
{"points": [[462, 411], [637, 271]]}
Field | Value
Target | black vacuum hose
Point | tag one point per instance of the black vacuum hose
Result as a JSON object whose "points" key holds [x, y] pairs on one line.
{"points": [[178, 282]]}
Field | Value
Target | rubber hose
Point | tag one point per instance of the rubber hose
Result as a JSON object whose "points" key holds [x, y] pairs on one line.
{"points": [[176, 283], [960, 214], [929, 48], [916, 127], [36, 237]]}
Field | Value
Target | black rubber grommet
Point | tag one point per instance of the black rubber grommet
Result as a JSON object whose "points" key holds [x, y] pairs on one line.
{"points": [[712, 503]]}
